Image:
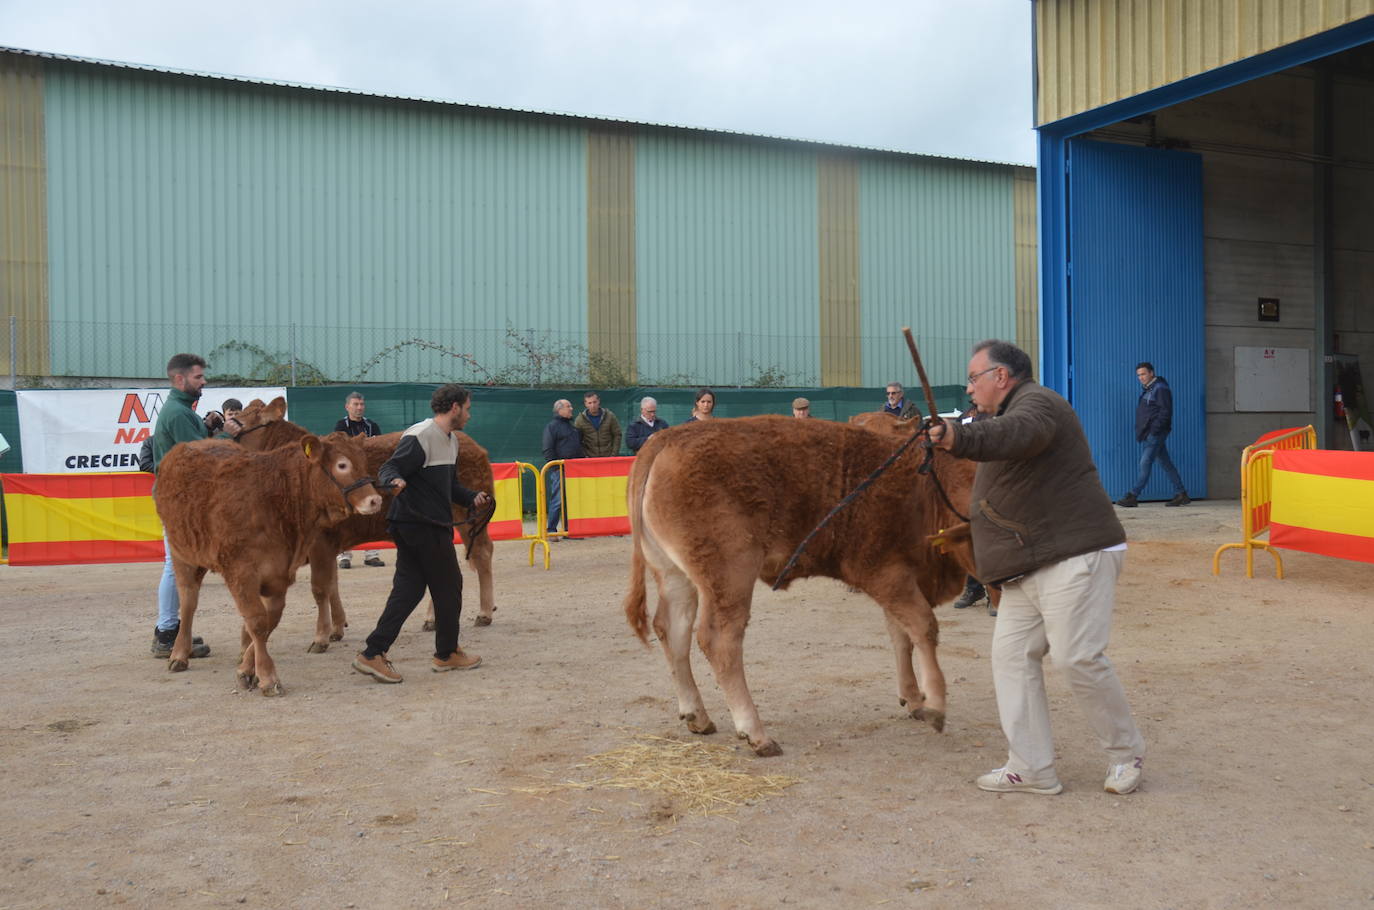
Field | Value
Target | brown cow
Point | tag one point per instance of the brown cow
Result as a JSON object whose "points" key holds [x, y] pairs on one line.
{"points": [[722, 503], [252, 517], [264, 427]]}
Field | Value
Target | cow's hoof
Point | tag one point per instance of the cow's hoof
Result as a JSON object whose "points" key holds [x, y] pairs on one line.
{"points": [[935, 718], [176, 665], [317, 647], [273, 691], [704, 727], [245, 681], [428, 626], [766, 748], [336, 636], [482, 620]]}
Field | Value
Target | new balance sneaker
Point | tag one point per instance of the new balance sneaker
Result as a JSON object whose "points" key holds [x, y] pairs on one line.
{"points": [[163, 641], [1004, 780], [456, 661], [379, 668], [1123, 778], [345, 562]]}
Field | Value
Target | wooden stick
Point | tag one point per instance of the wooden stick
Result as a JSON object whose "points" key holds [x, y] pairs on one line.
{"points": [[920, 371]]}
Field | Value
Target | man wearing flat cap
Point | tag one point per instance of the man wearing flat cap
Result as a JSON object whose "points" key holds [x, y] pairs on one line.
{"points": [[801, 407]]}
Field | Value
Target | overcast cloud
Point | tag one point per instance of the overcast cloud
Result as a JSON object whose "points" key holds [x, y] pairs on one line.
{"points": [[945, 77]]}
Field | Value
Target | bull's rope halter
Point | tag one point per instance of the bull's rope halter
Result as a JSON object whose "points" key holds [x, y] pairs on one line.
{"points": [[343, 490], [926, 468]]}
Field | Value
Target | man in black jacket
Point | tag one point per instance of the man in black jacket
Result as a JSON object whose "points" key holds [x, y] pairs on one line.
{"points": [[420, 520], [1154, 418], [561, 441], [644, 426], [354, 423]]}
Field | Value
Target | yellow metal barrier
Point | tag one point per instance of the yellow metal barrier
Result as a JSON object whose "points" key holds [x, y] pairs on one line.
{"points": [[541, 498], [1256, 494]]}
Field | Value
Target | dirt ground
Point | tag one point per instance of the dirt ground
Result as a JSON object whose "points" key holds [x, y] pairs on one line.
{"points": [[126, 784]]}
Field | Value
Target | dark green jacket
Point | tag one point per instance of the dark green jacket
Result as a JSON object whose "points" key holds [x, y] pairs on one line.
{"points": [[599, 441], [176, 422], [1037, 498]]}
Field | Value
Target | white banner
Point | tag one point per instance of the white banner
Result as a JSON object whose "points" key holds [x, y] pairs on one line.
{"points": [[83, 431]]}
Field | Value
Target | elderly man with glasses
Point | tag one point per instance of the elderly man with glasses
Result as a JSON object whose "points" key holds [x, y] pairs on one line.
{"points": [[897, 405], [1045, 530]]}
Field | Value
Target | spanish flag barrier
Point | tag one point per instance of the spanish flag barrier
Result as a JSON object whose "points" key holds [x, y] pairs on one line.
{"points": [[593, 499], [62, 519], [1256, 494], [1324, 503], [68, 519]]}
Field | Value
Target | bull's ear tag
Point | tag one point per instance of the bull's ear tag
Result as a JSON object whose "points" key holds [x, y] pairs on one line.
{"points": [[306, 447]]}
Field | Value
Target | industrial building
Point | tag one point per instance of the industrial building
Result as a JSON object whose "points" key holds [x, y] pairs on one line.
{"points": [[1206, 202], [356, 237]]}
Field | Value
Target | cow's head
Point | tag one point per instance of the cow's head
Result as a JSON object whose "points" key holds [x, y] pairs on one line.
{"points": [[957, 543], [344, 462], [262, 426]]}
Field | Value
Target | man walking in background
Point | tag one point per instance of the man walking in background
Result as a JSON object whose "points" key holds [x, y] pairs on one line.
{"points": [[1154, 418], [599, 428], [354, 423], [561, 442]]}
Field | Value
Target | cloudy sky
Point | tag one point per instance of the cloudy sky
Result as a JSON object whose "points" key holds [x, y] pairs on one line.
{"points": [[945, 77]]}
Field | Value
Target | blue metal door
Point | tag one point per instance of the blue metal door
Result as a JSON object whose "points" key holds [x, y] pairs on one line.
{"points": [[1135, 294]]}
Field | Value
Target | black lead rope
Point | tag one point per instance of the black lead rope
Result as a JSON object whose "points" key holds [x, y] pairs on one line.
{"points": [[927, 467]]}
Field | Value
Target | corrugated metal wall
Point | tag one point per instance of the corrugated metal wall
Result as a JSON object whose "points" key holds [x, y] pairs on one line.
{"points": [[173, 200], [1027, 266], [23, 217], [725, 234], [938, 255], [837, 192], [1093, 52]]}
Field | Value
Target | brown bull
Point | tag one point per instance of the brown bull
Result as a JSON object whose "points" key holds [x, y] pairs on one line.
{"points": [[716, 505], [252, 517], [264, 427]]}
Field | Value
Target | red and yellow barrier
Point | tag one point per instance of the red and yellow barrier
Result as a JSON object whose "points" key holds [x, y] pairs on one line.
{"points": [[1324, 503], [1256, 494], [67, 519], [593, 499]]}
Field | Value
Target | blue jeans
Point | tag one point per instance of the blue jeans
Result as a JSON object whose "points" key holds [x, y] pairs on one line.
{"points": [[555, 479], [168, 601], [1152, 450]]}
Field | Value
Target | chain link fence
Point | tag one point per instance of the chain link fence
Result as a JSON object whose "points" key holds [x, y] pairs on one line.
{"points": [[53, 353]]}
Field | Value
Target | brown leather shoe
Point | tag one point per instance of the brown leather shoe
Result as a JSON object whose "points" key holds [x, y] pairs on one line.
{"points": [[456, 661], [379, 668]]}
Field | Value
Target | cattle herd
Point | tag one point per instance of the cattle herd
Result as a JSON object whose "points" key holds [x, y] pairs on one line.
{"points": [[714, 507]]}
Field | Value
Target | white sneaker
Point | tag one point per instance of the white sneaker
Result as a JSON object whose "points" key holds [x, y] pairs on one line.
{"points": [[1003, 780], [345, 562], [1123, 778]]}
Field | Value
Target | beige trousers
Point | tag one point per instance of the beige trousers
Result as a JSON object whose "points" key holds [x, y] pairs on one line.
{"points": [[1064, 609]]}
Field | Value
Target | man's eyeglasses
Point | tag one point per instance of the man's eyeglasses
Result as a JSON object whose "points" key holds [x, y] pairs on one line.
{"points": [[974, 377], [894, 394]]}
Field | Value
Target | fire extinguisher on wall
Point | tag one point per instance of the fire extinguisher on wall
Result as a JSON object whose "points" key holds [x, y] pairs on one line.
{"points": [[1340, 405]]}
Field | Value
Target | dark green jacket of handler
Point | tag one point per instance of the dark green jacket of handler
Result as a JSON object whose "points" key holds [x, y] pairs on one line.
{"points": [[1037, 498], [176, 422], [599, 441]]}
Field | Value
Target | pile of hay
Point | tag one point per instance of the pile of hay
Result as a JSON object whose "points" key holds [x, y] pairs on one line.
{"points": [[697, 776]]}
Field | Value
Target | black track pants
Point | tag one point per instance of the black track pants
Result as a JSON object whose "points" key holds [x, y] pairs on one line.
{"points": [[425, 558]]}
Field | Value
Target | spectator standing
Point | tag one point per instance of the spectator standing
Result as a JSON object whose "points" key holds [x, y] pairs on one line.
{"points": [[1154, 418], [420, 520], [897, 404], [644, 426], [1045, 530], [178, 422], [703, 405], [801, 407], [599, 427], [561, 442], [355, 423]]}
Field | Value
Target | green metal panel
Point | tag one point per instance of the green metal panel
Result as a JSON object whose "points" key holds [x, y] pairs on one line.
{"points": [[230, 212], [727, 270], [938, 254]]}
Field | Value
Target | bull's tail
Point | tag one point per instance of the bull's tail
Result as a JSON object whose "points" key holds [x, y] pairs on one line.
{"points": [[636, 599]]}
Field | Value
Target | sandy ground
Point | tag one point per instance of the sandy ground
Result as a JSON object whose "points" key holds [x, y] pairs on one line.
{"points": [[126, 784]]}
